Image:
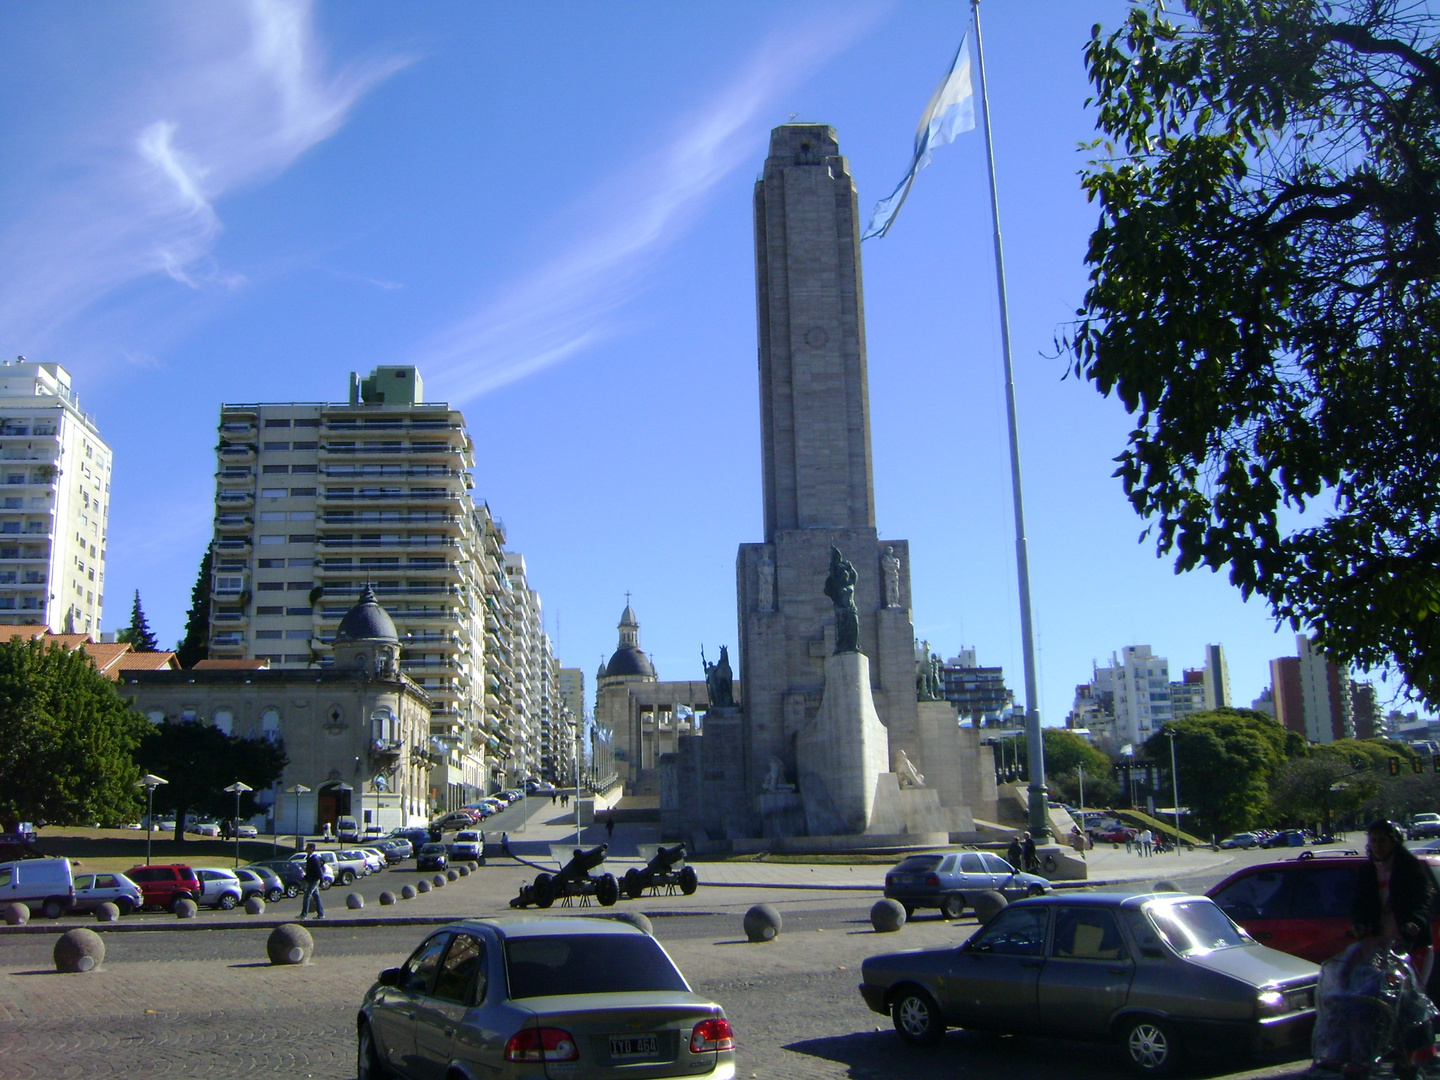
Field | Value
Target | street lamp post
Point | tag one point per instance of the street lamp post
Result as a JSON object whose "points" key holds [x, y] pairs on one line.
{"points": [[297, 790], [237, 787], [1174, 788], [149, 782]]}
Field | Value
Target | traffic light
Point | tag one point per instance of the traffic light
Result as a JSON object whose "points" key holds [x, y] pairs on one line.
{"points": [[1416, 765], [1394, 766]]}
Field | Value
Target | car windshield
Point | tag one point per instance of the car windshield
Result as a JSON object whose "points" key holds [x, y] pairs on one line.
{"points": [[588, 964], [1196, 927], [919, 864], [431, 849]]}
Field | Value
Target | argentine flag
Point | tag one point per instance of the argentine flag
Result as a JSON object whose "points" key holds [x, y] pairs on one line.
{"points": [[951, 111]]}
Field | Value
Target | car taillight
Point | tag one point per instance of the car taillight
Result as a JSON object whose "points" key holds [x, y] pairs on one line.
{"points": [[712, 1035], [933, 880], [541, 1044]]}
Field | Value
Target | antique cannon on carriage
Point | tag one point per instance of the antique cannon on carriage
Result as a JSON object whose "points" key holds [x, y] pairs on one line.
{"points": [[573, 880], [661, 873]]}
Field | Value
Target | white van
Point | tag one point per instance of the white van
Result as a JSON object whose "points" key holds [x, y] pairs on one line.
{"points": [[43, 885], [347, 830]]}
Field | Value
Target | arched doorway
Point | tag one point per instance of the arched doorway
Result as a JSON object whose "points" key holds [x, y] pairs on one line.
{"points": [[332, 802]]}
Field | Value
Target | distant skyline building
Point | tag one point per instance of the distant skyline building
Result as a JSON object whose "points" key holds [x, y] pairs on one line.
{"points": [[1312, 694], [54, 521], [978, 693], [1138, 683]]}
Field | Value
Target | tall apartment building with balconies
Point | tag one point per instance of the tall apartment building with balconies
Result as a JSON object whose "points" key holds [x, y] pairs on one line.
{"points": [[54, 502], [315, 500]]}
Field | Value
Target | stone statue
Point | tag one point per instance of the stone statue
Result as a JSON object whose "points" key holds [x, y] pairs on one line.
{"points": [[890, 575], [765, 583], [929, 686], [719, 680], [906, 771], [775, 778], [840, 588]]}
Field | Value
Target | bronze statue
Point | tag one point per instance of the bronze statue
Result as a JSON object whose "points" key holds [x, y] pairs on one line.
{"points": [[840, 588], [719, 680]]}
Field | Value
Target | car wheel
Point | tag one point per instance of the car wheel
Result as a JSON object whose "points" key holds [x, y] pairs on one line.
{"points": [[367, 1057], [1149, 1046], [124, 905], [226, 901], [909, 911], [347, 877], [917, 1018], [52, 908], [292, 890], [275, 895], [325, 883], [952, 906]]}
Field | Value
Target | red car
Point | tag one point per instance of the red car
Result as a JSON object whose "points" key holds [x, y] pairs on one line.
{"points": [[1114, 836], [1302, 905], [165, 886]]}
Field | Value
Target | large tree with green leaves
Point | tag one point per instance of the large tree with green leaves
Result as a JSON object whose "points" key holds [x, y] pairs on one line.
{"points": [[199, 761], [67, 739], [1225, 758], [138, 632], [1066, 756], [1264, 299], [195, 645]]}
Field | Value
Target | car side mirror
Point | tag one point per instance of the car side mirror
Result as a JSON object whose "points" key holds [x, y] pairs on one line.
{"points": [[390, 977]]}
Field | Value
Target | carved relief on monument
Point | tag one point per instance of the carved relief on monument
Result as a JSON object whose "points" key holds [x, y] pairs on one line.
{"points": [[775, 778], [906, 771], [765, 582], [890, 577]]}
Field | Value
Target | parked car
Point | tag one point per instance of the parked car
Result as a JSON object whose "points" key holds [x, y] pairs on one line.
{"points": [[205, 828], [219, 888], [1243, 840], [92, 890], [431, 857], [465, 846], [165, 885], [456, 819], [415, 835], [43, 885], [1424, 826], [1117, 835], [1302, 905], [499, 997], [1285, 838], [950, 880], [1162, 975], [395, 849], [259, 881], [290, 874], [374, 859], [246, 832], [347, 829], [344, 867]]}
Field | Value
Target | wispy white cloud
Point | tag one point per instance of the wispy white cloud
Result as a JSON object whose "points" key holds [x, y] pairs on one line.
{"points": [[234, 95], [572, 302]]}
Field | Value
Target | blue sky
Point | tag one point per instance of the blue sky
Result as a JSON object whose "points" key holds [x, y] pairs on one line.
{"points": [[547, 207]]}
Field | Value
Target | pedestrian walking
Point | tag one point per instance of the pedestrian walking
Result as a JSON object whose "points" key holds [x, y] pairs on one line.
{"points": [[314, 875], [504, 843], [1129, 842], [553, 797], [609, 826], [1147, 843], [1013, 855], [1027, 854]]}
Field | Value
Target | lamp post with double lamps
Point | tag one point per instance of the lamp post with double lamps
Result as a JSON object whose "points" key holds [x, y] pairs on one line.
{"points": [[149, 782], [237, 787], [1174, 788]]}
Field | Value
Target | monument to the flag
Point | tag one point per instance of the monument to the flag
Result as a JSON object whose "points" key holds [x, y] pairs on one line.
{"points": [[828, 737]]}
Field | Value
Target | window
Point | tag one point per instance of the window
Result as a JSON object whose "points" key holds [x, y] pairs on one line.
{"points": [[419, 971], [302, 515], [1262, 895], [971, 863], [588, 964], [272, 515], [277, 423], [297, 635], [463, 963], [155, 716], [1200, 927], [299, 492], [272, 493], [995, 864], [271, 564], [269, 609], [298, 658], [270, 586], [304, 468], [277, 446], [299, 586], [307, 446], [268, 635], [272, 539], [270, 718], [275, 469], [302, 538], [1324, 894], [307, 563], [1087, 934], [225, 721], [313, 421], [294, 611], [1018, 931]]}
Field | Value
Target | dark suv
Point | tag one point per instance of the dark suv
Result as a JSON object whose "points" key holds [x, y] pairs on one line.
{"points": [[165, 886]]}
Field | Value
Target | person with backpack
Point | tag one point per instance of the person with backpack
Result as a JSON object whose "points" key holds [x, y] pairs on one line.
{"points": [[314, 875]]}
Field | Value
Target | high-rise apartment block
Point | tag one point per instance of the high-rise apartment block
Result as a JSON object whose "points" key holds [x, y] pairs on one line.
{"points": [[1312, 694], [978, 693], [55, 486], [316, 500]]}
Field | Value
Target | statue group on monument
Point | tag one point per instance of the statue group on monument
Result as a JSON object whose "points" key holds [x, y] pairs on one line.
{"points": [[719, 680]]}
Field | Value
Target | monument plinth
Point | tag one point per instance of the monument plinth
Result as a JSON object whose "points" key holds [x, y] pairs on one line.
{"points": [[842, 751]]}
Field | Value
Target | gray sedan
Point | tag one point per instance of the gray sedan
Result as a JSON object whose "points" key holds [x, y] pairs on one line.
{"points": [[950, 881], [1160, 974], [92, 890], [520, 997]]}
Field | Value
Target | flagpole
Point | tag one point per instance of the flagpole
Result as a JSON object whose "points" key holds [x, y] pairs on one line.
{"points": [[1039, 796]]}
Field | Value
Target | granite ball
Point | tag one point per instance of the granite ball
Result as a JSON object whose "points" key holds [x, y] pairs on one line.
{"points": [[887, 916], [79, 951], [637, 919], [407, 892], [762, 923], [16, 914], [422, 886], [1167, 885], [452, 875], [387, 898], [438, 881], [987, 905], [354, 901], [289, 944], [255, 906], [473, 866], [185, 909], [463, 871], [107, 912]]}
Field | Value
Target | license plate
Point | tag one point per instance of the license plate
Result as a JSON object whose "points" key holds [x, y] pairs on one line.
{"points": [[630, 1047]]}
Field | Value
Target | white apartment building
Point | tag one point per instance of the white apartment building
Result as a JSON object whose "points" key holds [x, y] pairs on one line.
{"points": [[55, 487], [1325, 694], [315, 500], [1138, 682]]}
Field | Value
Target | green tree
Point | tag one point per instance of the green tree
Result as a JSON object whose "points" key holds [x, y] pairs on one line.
{"points": [[1065, 754], [1225, 758], [199, 761], [67, 739], [195, 645], [138, 632], [1264, 299]]}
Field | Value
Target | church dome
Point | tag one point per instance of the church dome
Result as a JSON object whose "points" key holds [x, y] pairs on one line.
{"points": [[367, 621], [629, 660]]}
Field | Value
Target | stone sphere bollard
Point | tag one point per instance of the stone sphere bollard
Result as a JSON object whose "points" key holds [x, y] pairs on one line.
{"points": [[289, 944], [987, 905], [463, 871], [354, 901], [79, 950], [762, 923], [16, 914], [1167, 886], [387, 898], [474, 866], [637, 919], [255, 906], [452, 875], [422, 886], [185, 909], [438, 881], [107, 912], [887, 916], [407, 893]]}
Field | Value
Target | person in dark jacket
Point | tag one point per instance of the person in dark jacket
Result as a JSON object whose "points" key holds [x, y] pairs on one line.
{"points": [[1013, 855], [1394, 894]]}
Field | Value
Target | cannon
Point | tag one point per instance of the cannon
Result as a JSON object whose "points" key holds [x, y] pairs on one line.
{"points": [[660, 873], [573, 880]]}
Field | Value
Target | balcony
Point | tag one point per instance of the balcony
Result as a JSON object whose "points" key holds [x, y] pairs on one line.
{"points": [[229, 618], [231, 522], [233, 544], [233, 452], [350, 543], [236, 498], [236, 476]]}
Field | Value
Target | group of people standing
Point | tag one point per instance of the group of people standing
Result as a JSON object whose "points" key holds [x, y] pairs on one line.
{"points": [[1143, 841], [1021, 853]]}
